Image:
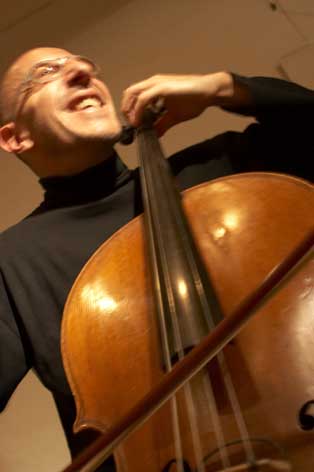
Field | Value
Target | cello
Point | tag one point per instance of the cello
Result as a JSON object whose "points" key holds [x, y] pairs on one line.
{"points": [[232, 415]]}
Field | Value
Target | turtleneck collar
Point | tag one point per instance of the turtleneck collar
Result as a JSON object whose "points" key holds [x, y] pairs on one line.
{"points": [[92, 184]]}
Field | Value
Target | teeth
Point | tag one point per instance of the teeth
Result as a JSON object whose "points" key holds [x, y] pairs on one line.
{"points": [[88, 102]]}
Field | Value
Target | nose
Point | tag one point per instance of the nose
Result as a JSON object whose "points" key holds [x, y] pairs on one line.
{"points": [[77, 73]]}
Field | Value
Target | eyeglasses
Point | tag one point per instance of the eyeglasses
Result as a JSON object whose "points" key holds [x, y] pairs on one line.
{"points": [[44, 72], [49, 70]]}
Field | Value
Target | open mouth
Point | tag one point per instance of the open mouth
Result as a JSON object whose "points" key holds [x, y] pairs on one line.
{"points": [[86, 103]]}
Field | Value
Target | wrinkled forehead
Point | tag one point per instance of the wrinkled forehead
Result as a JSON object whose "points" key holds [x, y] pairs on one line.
{"points": [[18, 72]]}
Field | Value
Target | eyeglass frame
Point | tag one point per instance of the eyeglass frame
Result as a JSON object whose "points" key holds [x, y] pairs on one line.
{"points": [[28, 83]]}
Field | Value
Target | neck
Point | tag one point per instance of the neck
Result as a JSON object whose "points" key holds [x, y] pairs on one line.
{"points": [[69, 162], [92, 184]]}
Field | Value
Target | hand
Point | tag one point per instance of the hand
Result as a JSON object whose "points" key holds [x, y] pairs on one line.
{"points": [[184, 97]]}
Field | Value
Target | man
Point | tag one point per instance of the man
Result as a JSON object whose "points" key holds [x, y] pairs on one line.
{"points": [[59, 118]]}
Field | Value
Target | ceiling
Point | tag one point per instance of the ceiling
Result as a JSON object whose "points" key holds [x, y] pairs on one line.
{"points": [[298, 6], [14, 11]]}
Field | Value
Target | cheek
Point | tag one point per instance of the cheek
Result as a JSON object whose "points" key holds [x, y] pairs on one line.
{"points": [[37, 110], [41, 120], [46, 98], [43, 123], [104, 90]]}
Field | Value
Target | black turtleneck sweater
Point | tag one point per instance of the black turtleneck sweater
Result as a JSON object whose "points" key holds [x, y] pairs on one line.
{"points": [[41, 256]]}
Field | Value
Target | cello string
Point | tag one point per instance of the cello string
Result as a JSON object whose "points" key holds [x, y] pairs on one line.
{"points": [[173, 401], [187, 390], [235, 405], [155, 223], [208, 386], [156, 232], [197, 445], [212, 404], [196, 439], [121, 459], [162, 320], [230, 389], [247, 444], [190, 403], [176, 434], [213, 410]]}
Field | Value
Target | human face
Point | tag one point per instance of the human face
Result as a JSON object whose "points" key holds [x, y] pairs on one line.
{"points": [[75, 107]]}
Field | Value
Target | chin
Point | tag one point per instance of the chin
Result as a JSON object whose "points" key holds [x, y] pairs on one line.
{"points": [[89, 126], [106, 135]]}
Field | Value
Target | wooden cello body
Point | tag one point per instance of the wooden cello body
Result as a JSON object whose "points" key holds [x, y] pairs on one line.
{"points": [[244, 226]]}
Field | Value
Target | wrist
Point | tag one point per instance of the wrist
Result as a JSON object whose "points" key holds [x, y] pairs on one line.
{"points": [[219, 88], [230, 93]]}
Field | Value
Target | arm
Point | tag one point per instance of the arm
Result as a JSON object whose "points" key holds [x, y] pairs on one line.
{"points": [[276, 103], [13, 361], [185, 97], [273, 102]]}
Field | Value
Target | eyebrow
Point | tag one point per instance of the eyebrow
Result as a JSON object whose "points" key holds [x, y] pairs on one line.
{"points": [[43, 62]]}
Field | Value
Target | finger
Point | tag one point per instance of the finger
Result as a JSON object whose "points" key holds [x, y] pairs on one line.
{"points": [[128, 102], [131, 93], [143, 100]]}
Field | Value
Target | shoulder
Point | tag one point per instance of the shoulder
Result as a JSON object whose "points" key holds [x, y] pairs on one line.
{"points": [[17, 234], [209, 159]]}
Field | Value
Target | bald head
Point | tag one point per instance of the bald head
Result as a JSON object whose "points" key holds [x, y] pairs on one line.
{"points": [[62, 124], [16, 74]]}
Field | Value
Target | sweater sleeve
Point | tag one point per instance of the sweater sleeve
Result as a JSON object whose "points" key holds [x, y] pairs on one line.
{"points": [[279, 104], [280, 141], [13, 360]]}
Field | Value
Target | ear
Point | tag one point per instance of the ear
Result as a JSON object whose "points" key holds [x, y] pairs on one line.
{"points": [[13, 141]]}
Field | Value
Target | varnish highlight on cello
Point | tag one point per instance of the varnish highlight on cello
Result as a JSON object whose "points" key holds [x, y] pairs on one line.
{"points": [[266, 371]]}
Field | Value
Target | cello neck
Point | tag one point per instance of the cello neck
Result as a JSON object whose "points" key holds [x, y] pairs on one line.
{"points": [[185, 301]]}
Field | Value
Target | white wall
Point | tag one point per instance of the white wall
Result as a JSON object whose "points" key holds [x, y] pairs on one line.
{"points": [[130, 39]]}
